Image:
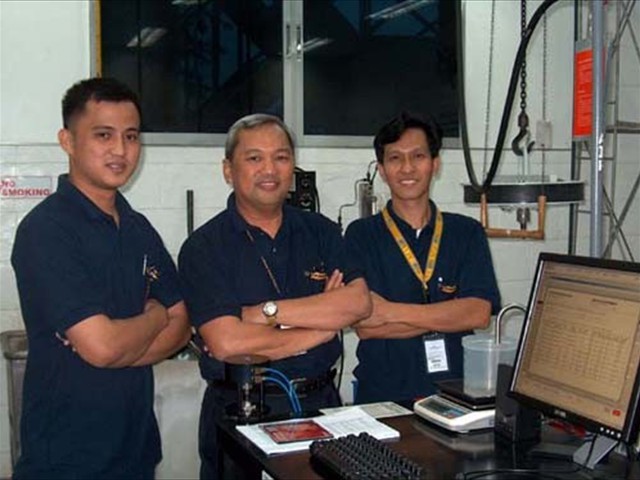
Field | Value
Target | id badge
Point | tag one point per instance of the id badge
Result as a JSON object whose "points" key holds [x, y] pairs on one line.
{"points": [[436, 353]]}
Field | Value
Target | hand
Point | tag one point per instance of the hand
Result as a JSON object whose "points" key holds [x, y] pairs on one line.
{"points": [[377, 317], [336, 280], [156, 311], [327, 335]]}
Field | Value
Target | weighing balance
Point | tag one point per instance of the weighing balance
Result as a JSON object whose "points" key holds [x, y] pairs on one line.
{"points": [[454, 410]]}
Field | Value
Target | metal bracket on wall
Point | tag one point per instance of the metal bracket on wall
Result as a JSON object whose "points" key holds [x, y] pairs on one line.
{"points": [[511, 233]]}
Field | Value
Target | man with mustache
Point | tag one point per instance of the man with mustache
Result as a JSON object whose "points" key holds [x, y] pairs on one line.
{"points": [[264, 278], [430, 273]]}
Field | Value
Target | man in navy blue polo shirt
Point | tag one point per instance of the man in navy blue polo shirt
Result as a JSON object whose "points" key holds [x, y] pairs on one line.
{"points": [[430, 273], [100, 300], [260, 265]]}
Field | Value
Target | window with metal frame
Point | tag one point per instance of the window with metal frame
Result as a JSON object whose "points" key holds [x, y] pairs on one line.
{"points": [[334, 69]]}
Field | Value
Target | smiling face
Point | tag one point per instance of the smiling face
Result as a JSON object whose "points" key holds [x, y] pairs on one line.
{"points": [[103, 145], [261, 168], [407, 166]]}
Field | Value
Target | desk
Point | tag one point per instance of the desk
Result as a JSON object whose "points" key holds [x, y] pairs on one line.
{"points": [[442, 454]]}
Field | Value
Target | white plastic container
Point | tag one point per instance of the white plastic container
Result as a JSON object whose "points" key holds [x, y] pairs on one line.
{"points": [[482, 354]]}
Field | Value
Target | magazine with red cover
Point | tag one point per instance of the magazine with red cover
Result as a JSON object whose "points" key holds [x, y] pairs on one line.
{"points": [[296, 431]]}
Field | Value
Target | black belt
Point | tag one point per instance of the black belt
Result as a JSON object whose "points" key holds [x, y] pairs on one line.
{"points": [[301, 385]]}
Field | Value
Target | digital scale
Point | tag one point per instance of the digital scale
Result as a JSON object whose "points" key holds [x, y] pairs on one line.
{"points": [[454, 410]]}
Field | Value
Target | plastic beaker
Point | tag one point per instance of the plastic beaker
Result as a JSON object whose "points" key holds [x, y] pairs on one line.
{"points": [[481, 358]]}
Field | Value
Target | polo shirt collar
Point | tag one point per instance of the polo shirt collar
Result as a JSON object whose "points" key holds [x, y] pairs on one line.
{"points": [[68, 190], [241, 225], [238, 222], [405, 227]]}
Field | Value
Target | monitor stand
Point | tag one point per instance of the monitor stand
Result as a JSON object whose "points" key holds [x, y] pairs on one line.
{"points": [[582, 454], [590, 453]]}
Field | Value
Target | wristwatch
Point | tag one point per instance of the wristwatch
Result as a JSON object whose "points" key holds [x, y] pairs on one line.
{"points": [[270, 312]]}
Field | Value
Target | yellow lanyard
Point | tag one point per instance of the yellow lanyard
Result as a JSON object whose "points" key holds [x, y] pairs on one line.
{"points": [[430, 266]]}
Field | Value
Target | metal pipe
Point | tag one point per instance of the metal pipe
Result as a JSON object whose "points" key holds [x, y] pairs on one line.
{"points": [[597, 134], [575, 152], [501, 314], [189, 212]]}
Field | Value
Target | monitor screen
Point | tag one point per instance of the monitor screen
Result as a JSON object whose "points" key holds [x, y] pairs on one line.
{"points": [[579, 353]]}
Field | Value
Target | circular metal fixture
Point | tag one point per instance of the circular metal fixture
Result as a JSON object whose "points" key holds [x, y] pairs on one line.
{"points": [[509, 191]]}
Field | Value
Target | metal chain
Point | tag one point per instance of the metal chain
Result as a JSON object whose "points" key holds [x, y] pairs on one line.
{"points": [[523, 72], [489, 84], [544, 86], [544, 66]]}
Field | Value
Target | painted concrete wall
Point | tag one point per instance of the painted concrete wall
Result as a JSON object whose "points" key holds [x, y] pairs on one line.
{"points": [[45, 46]]}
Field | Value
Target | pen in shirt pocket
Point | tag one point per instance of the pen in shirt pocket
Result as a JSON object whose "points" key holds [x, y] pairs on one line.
{"points": [[150, 274]]}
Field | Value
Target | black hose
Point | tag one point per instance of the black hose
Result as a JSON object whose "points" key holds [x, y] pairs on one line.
{"points": [[506, 113]]}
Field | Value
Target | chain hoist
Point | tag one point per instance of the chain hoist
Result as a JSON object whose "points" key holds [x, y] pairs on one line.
{"points": [[523, 119]]}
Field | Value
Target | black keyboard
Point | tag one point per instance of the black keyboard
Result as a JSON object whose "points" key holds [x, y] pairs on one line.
{"points": [[361, 457]]}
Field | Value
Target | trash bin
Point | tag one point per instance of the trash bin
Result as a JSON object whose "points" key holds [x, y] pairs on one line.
{"points": [[14, 348]]}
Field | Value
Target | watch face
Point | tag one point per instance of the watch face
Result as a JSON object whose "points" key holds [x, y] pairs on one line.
{"points": [[270, 309]]}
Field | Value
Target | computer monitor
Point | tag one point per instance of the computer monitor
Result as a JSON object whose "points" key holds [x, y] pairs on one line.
{"points": [[579, 353]]}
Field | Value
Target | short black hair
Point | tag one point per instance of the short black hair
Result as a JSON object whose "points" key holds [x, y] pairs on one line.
{"points": [[98, 89], [393, 130]]}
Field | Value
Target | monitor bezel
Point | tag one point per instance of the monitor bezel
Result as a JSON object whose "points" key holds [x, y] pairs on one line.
{"points": [[629, 431]]}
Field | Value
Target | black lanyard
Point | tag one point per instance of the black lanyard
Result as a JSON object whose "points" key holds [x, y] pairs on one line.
{"points": [[272, 277]]}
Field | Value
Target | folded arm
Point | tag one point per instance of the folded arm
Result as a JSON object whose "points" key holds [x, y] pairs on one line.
{"points": [[170, 339], [337, 307], [114, 343], [403, 320], [228, 336]]}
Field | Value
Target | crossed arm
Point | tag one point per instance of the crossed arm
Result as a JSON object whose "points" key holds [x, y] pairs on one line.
{"points": [[316, 319], [140, 340], [405, 320]]}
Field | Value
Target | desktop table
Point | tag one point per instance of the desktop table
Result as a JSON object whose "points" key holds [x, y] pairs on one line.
{"points": [[443, 454]]}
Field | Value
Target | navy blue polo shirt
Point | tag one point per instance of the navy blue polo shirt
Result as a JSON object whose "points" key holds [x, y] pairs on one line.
{"points": [[221, 272], [71, 262], [395, 369]]}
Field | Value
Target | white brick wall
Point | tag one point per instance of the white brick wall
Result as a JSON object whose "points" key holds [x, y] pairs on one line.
{"points": [[37, 67]]}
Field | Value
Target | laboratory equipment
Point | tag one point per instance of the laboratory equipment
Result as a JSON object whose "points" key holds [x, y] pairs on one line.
{"points": [[454, 415]]}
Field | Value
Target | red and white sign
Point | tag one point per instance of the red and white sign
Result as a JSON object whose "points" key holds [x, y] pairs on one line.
{"points": [[25, 187], [583, 94]]}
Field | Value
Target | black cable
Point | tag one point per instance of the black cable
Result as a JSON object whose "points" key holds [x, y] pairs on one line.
{"points": [[372, 177], [513, 84], [631, 458], [317, 195], [341, 367], [524, 472], [593, 444]]}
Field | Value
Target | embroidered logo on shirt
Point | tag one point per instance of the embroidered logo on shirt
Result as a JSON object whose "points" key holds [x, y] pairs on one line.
{"points": [[448, 289], [317, 273]]}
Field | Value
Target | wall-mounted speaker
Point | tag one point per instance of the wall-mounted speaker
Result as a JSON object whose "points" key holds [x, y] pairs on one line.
{"points": [[304, 191]]}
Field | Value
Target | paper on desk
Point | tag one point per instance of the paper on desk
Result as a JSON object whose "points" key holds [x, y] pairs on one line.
{"points": [[340, 424], [376, 410]]}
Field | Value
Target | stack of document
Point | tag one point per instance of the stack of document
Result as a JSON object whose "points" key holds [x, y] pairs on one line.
{"points": [[353, 420]]}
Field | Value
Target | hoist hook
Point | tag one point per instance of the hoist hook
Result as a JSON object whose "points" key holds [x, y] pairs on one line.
{"points": [[523, 134]]}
